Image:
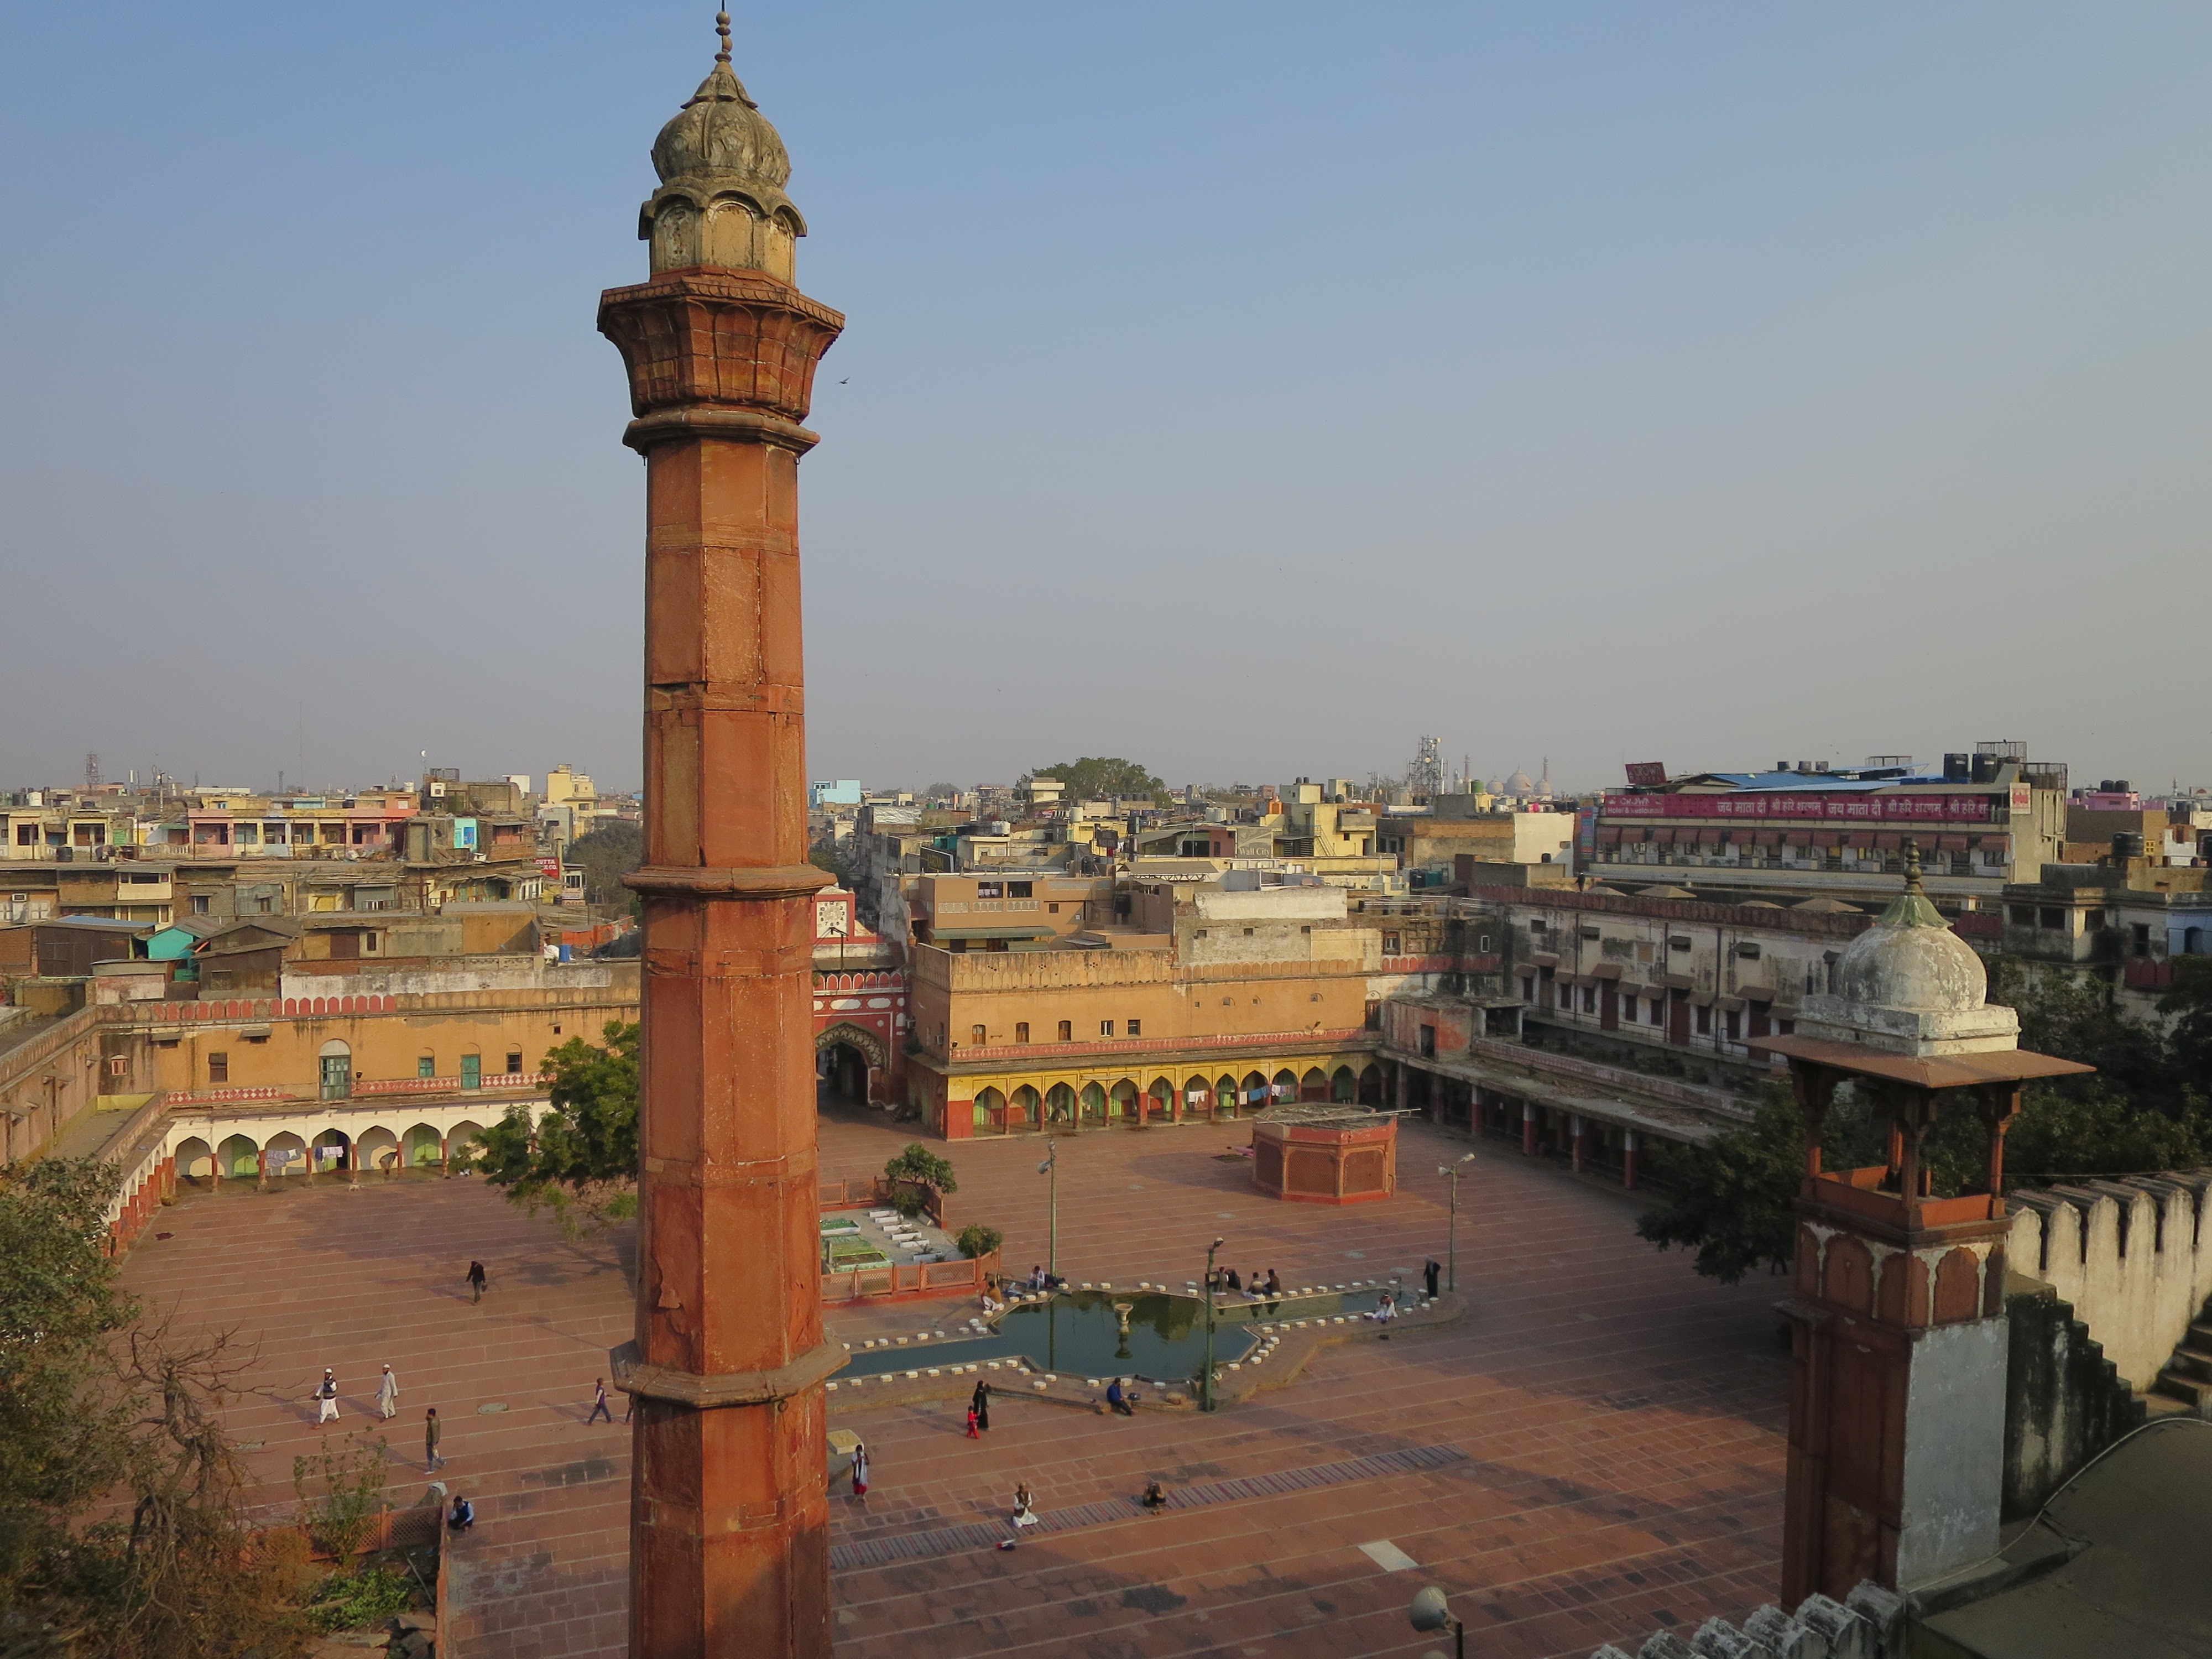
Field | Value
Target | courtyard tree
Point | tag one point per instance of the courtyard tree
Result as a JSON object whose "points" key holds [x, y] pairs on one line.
{"points": [[580, 1158], [1104, 777], [977, 1241], [607, 855], [123, 1529]]}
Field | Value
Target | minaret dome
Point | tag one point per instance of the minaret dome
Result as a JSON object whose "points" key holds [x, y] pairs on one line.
{"points": [[723, 171]]}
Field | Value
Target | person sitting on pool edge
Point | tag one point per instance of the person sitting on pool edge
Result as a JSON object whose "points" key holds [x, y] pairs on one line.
{"points": [[1118, 1400]]}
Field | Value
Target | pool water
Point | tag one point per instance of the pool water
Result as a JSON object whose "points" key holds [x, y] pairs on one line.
{"points": [[1079, 1332]]}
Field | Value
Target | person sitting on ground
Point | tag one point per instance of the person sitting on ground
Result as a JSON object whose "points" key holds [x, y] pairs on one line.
{"points": [[1253, 1286], [1037, 1277], [1155, 1497], [1274, 1283], [464, 1515], [1386, 1309], [1118, 1400], [1233, 1282]]}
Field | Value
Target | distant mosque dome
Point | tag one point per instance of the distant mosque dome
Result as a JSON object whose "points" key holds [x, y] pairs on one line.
{"points": [[1520, 784]]}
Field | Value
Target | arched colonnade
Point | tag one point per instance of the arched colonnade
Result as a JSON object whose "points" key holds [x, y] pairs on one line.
{"points": [[1030, 1103]]}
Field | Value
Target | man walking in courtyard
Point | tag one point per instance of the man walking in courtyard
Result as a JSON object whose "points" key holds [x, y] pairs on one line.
{"points": [[599, 1407], [433, 1431], [388, 1395], [477, 1281], [326, 1400]]}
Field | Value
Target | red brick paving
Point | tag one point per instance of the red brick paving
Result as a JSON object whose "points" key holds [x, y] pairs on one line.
{"points": [[1622, 1418]]}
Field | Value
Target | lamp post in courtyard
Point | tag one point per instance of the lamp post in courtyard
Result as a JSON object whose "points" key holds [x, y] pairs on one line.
{"points": [[1451, 1173], [1206, 1385], [1050, 1169]]}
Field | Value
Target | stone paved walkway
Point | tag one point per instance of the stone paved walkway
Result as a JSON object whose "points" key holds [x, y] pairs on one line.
{"points": [[1621, 1420]]}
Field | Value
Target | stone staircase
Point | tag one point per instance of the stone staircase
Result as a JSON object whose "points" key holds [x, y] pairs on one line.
{"points": [[2184, 1388]]}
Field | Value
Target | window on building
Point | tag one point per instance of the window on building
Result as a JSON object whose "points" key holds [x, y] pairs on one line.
{"points": [[1704, 1020], [1201, 933], [1021, 1030], [1248, 932], [1528, 988], [2023, 915], [978, 1035], [2142, 938], [218, 1068], [1052, 909], [1734, 1026], [2051, 918], [1018, 889], [27, 835], [2092, 920], [994, 945], [990, 890], [959, 947], [199, 904], [1136, 1028], [1067, 1030], [515, 1062], [1589, 998], [426, 1065], [1105, 1028], [1429, 1041], [1389, 944]]}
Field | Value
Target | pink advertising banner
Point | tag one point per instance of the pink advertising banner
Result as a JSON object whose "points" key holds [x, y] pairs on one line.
{"points": [[1828, 808]]}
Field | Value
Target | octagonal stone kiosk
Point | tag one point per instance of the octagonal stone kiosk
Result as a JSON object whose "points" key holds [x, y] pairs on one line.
{"points": [[1326, 1154]]}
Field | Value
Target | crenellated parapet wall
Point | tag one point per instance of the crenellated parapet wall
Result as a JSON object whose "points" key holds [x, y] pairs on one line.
{"points": [[2130, 1255]]}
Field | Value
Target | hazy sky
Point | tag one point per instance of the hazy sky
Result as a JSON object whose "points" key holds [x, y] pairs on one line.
{"points": [[1244, 388]]}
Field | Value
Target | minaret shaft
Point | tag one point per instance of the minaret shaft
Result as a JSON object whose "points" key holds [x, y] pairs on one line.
{"points": [[729, 1549]]}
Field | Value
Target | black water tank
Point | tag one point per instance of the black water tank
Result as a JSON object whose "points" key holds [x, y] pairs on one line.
{"points": [[1958, 769], [1985, 768], [2127, 845]]}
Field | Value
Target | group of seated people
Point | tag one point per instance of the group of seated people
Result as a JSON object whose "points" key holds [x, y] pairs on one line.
{"points": [[1041, 1280], [1255, 1287]]}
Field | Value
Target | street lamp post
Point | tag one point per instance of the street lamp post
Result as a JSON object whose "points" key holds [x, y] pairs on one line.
{"points": [[1206, 1384], [1050, 1169], [1451, 1173], [1429, 1613]]}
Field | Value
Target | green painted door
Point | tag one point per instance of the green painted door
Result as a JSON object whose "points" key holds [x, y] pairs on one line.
{"points": [[337, 1076], [472, 1070]]}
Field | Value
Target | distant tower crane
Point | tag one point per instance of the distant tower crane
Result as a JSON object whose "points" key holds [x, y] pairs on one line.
{"points": [[92, 771]]}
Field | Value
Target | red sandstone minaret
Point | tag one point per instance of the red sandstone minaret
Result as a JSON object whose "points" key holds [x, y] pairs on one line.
{"points": [[729, 1512]]}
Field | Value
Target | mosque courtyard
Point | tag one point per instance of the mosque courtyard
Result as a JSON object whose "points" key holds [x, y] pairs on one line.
{"points": [[1596, 1450]]}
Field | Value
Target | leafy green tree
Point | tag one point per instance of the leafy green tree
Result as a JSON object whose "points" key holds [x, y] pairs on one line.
{"points": [[1733, 1201], [580, 1158], [607, 855], [977, 1241], [1100, 777], [2075, 1016], [2188, 1005], [340, 1492], [123, 1529], [917, 1163]]}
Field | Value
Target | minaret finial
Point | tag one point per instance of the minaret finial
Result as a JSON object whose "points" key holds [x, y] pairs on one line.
{"points": [[722, 28], [1911, 866]]}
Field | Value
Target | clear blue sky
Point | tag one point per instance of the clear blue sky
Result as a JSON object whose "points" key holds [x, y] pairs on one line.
{"points": [[1244, 388]]}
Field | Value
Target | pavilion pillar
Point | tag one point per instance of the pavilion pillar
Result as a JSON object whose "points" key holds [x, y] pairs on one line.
{"points": [[1581, 1134], [729, 1520], [1529, 1128], [1628, 1159]]}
